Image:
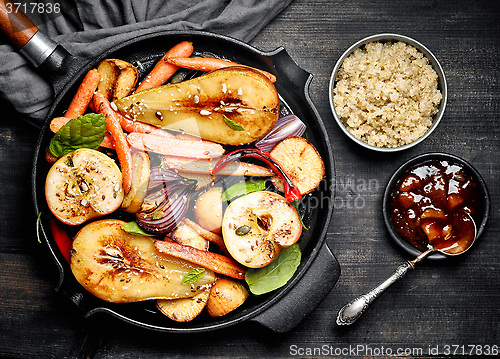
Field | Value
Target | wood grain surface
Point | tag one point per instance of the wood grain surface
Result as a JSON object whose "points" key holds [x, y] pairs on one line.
{"points": [[451, 305]]}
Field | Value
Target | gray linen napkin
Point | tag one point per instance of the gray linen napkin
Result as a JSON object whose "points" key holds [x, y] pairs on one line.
{"points": [[88, 27]]}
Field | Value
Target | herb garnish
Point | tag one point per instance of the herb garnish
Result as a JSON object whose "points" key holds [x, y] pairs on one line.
{"points": [[133, 228], [193, 276], [86, 131], [232, 124]]}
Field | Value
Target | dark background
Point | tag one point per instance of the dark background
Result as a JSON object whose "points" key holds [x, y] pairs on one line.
{"points": [[453, 303]]}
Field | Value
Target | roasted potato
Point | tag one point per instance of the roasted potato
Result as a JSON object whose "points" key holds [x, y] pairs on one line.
{"points": [[225, 296], [208, 210]]}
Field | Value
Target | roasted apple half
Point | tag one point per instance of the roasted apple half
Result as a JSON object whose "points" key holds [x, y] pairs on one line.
{"points": [[257, 226], [82, 185]]}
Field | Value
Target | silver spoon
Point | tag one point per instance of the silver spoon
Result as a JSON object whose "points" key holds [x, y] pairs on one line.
{"points": [[354, 309]]}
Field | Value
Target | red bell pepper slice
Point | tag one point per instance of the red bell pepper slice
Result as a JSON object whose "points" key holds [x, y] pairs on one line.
{"points": [[292, 193], [62, 239]]}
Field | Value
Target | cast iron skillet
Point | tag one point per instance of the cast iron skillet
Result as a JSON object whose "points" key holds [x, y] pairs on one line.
{"points": [[280, 310]]}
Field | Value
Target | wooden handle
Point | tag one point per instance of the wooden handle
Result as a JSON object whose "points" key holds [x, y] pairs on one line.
{"points": [[15, 24]]}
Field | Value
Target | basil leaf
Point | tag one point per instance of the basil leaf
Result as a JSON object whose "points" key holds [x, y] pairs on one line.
{"points": [[242, 188], [86, 131], [276, 274], [133, 228], [193, 276], [233, 125]]}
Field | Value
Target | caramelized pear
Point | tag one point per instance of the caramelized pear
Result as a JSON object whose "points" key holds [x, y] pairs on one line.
{"points": [[234, 105], [120, 267], [186, 309]]}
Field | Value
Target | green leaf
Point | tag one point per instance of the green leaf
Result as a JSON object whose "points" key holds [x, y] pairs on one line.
{"points": [[233, 125], [86, 131], [276, 274], [193, 276], [242, 188], [133, 228]]}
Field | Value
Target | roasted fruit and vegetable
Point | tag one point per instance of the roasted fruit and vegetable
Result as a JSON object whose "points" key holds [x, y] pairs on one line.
{"points": [[185, 193]]}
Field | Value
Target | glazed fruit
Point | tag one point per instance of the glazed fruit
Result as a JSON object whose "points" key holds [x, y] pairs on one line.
{"points": [[82, 185], [257, 226], [120, 267], [234, 105]]}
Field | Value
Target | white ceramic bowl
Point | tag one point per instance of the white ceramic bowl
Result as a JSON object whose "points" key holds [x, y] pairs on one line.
{"points": [[432, 60]]}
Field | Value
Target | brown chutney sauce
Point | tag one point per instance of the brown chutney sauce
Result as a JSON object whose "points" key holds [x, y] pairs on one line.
{"points": [[426, 203]]}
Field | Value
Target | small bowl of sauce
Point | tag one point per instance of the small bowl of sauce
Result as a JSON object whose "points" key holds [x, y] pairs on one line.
{"points": [[425, 200]]}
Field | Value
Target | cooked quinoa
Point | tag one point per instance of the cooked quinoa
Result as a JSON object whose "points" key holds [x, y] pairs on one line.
{"points": [[387, 93]]}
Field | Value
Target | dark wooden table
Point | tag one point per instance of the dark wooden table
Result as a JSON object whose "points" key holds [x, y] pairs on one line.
{"points": [[438, 308]]}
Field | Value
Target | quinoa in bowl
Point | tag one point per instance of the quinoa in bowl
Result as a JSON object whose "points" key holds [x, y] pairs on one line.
{"points": [[386, 93]]}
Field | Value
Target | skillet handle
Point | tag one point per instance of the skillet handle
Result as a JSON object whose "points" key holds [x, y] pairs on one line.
{"points": [[305, 296], [15, 24], [24, 35]]}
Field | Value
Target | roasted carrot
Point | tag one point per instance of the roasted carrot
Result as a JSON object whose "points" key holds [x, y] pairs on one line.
{"points": [[174, 146], [102, 105], [83, 95], [205, 166], [209, 64], [206, 234], [108, 142], [57, 122], [164, 70], [213, 261], [49, 157]]}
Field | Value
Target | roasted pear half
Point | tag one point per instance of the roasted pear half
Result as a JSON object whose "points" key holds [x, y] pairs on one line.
{"points": [[120, 267], [233, 105]]}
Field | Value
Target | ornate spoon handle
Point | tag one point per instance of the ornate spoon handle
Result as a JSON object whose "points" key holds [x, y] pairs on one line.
{"points": [[354, 309]]}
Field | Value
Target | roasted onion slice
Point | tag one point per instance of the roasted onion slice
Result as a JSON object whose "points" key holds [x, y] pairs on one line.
{"points": [[286, 126], [166, 202]]}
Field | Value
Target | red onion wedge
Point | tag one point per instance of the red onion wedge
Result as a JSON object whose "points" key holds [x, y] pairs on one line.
{"points": [[286, 126], [160, 175], [166, 202]]}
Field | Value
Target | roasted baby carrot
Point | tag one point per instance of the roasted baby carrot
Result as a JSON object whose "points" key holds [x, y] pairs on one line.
{"points": [[206, 234], [57, 122], [208, 64], [213, 261], [102, 105], [174, 146], [204, 166], [83, 95], [164, 70]]}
